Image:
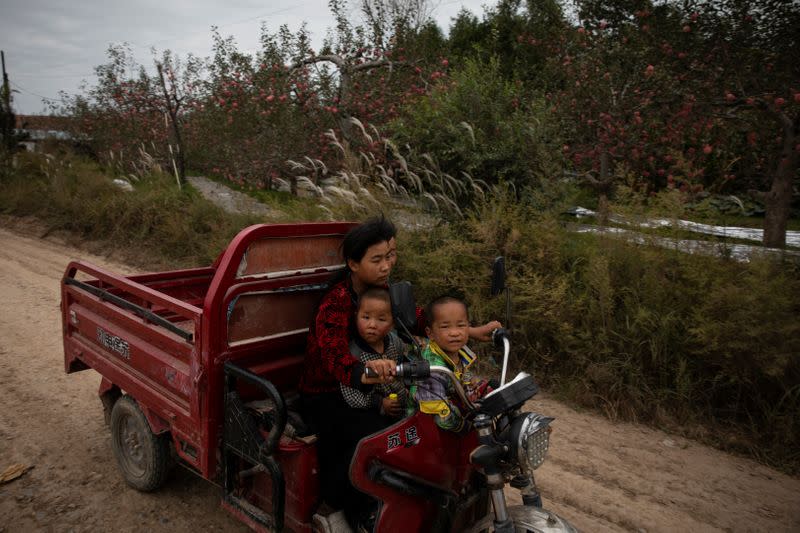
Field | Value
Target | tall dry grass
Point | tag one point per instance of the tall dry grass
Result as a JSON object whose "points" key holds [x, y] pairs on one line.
{"points": [[397, 178]]}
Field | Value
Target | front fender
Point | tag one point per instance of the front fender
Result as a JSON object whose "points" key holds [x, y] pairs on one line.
{"points": [[527, 518]]}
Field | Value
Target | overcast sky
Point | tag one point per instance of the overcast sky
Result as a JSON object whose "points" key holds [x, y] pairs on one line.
{"points": [[53, 45]]}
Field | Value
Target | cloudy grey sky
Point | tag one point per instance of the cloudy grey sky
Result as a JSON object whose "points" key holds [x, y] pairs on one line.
{"points": [[53, 45]]}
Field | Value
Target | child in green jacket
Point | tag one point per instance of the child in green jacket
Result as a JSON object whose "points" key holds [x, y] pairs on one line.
{"points": [[448, 326]]}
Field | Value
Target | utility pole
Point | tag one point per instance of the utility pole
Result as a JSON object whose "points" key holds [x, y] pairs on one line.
{"points": [[6, 90], [6, 116]]}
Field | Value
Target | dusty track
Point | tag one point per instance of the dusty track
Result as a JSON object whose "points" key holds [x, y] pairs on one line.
{"points": [[602, 476]]}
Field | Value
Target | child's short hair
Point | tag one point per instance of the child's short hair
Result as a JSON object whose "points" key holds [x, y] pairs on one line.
{"points": [[376, 293], [441, 300]]}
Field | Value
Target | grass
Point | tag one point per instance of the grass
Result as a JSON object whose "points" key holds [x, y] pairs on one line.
{"points": [[176, 227], [365, 184], [286, 206]]}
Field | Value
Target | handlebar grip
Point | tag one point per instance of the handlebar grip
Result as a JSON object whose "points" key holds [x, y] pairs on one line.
{"points": [[498, 335], [409, 370], [419, 369]]}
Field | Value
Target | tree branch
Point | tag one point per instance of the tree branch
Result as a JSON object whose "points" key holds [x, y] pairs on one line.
{"points": [[331, 58], [372, 64]]}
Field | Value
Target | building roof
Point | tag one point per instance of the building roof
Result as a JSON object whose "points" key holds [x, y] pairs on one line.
{"points": [[42, 123]]}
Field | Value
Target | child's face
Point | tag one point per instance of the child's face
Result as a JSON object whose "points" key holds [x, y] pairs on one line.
{"points": [[374, 319], [449, 326]]}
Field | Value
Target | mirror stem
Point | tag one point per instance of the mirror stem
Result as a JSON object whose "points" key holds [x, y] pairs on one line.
{"points": [[414, 340], [507, 325]]}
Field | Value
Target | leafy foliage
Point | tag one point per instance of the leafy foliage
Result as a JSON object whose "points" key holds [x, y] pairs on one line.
{"points": [[480, 123]]}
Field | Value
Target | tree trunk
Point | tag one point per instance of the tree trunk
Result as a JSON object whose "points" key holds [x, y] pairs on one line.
{"points": [[346, 70], [176, 132], [344, 98], [778, 201], [603, 189]]}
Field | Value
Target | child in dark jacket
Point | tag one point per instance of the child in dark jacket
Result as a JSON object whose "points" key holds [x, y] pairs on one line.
{"points": [[376, 340]]}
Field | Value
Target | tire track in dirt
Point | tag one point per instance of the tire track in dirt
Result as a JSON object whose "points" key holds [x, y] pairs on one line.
{"points": [[55, 422], [602, 476], [638, 478]]}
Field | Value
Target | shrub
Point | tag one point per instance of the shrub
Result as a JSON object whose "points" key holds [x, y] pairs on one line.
{"points": [[642, 333], [477, 123]]}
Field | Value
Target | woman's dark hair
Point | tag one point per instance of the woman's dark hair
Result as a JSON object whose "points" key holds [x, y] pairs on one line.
{"points": [[354, 246], [373, 231]]}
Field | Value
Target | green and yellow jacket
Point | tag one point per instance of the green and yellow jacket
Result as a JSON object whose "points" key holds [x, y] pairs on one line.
{"points": [[436, 396]]}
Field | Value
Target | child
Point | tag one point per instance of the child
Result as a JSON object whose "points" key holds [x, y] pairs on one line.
{"points": [[448, 333], [376, 340]]}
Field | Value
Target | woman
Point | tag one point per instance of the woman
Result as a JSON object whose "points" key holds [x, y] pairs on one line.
{"points": [[369, 252], [368, 262]]}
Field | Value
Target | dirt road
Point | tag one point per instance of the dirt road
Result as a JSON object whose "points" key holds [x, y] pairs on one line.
{"points": [[602, 476]]}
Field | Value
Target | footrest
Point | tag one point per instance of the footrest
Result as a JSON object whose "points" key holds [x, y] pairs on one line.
{"points": [[255, 518]]}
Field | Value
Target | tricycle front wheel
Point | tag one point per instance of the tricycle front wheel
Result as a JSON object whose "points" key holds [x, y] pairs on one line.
{"points": [[527, 519], [143, 457]]}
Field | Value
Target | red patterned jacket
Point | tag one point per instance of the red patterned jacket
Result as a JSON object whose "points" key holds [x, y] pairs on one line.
{"points": [[328, 358]]}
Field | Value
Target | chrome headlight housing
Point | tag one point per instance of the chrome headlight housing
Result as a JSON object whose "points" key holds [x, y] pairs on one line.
{"points": [[532, 440]]}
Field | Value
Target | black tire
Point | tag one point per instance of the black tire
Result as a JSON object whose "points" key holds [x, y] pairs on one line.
{"points": [[143, 457], [527, 519]]}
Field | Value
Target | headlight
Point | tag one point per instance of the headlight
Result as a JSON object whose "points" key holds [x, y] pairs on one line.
{"points": [[533, 440]]}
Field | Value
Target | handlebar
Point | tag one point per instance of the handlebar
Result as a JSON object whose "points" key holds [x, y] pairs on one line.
{"points": [[462, 395], [501, 339], [498, 336], [419, 370], [409, 370]]}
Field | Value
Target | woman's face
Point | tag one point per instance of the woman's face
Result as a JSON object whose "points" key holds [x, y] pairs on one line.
{"points": [[376, 265]]}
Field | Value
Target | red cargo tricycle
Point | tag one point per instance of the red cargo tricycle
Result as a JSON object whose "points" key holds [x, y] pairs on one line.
{"points": [[200, 367]]}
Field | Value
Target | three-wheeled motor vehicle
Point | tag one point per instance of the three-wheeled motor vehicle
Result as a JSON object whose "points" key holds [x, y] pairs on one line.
{"points": [[200, 367]]}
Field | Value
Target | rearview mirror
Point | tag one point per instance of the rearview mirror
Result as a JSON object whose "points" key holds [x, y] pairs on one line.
{"points": [[404, 309], [498, 275]]}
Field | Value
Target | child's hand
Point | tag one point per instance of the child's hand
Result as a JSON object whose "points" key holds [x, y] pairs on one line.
{"points": [[484, 333], [391, 407], [481, 389], [384, 368]]}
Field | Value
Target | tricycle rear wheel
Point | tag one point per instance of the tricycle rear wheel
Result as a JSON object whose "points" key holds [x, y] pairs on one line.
{"points": [[143, 457]]}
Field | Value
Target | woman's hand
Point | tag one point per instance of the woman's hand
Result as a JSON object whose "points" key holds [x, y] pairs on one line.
{"points": [[484, 333], [385, 368], [391, 407]]}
